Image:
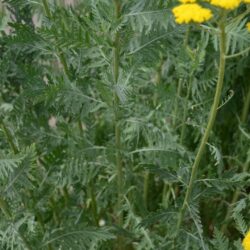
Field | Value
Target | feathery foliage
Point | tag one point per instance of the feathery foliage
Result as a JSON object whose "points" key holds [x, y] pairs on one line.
{"points": [[102, 107]]}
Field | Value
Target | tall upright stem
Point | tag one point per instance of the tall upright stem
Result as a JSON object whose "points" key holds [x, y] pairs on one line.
{"points": [[246, 107], [116, 65], [176, 102], [185, 113], [91, 193], [210, 124], [145, 188]]}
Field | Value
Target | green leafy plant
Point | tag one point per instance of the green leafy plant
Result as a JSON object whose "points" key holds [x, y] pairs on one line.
{"points": [[122, 129]]}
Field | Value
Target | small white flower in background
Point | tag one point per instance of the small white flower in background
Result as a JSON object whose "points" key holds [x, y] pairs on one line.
{"points": [[8, 30], [102, 222], [69, 2], [84, 128], [52, 122], [45, 79], [71, 189], [36, 21]]}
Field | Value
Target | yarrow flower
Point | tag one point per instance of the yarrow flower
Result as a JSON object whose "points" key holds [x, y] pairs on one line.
{"points": [[226, 4], [191, 12], [248, 26], [187, 1], [246, 242]]}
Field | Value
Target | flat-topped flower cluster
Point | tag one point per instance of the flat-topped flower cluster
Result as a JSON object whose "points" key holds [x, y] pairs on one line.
{"points": [[246, 242], [190, 11], [248, 26]]}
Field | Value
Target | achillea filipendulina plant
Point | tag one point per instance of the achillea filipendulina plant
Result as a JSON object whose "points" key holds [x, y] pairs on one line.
{"points": [[246, 241], [108, 130], [187, 1], [226, 4], [211, 120], [248, 26], [191, 12]]}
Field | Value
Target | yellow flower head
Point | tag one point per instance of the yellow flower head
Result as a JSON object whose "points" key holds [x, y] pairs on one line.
{"points": [[246, 242], [187, 1], [191, 12], [246, 1], [248, 26], [226, 4]]}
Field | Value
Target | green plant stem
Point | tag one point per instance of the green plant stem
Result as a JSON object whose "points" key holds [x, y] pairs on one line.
{"points": [[183, 128], [246, 107], [119, 173], [166, 194], [209, 127], [117, 9], [176, 104], [93, 202], [119, 168], [120, 180], [145, 188]]}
